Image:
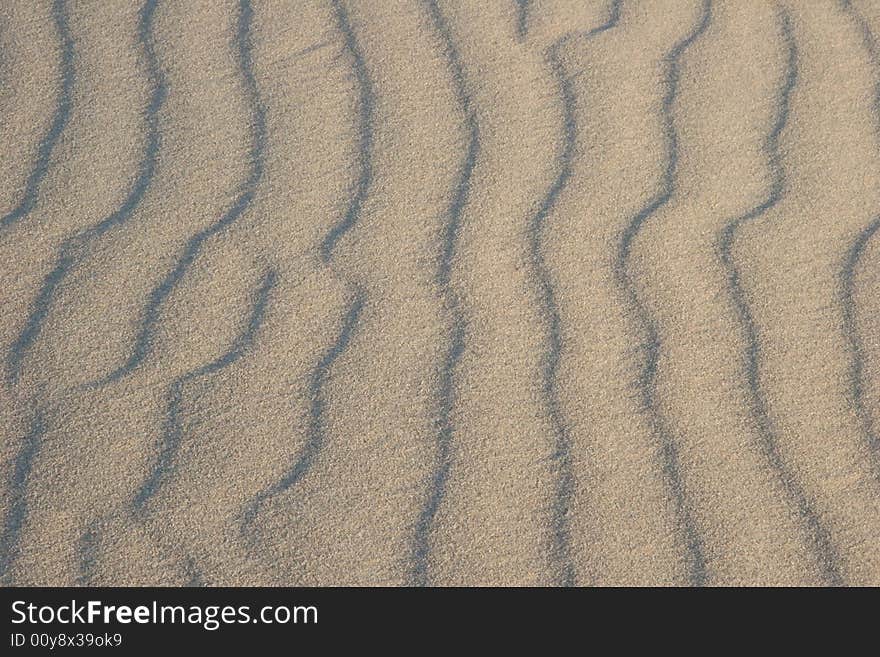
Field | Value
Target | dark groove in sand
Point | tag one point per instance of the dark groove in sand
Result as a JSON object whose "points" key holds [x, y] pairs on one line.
{"points": [[317, 430], [173, 430], [316, 433], [421, 545], [522, 18], [59, 120], [87, 551], [366, 108], [16, 514], [827, 560], [847, 275], [647, 378], [145, 338], [194, 577], [74, 248], [564, 477]]}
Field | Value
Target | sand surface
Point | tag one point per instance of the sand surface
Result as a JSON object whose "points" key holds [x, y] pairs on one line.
{"points": [[395, 292]]}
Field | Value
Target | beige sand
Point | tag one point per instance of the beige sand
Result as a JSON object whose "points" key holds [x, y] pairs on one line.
{"points": [[440, 292]]}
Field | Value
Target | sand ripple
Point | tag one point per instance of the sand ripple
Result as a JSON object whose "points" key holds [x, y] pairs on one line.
{"points": [[528, 292]]}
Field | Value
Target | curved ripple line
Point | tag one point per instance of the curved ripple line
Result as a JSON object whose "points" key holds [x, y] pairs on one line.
{"points": [[847, 274], [316, 431], [16, 513], [821, 544], [59, 119], [564, 478], [247, 190], [646, 380], [72, 249], [421, 547], [87, 554], [522, 18], [194, 577], [366, 109], [173, 431]]}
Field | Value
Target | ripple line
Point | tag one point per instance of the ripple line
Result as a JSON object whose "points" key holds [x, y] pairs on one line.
{"points": [[821, 545], [366, 110], [17, 511], [59, 119], [847, 274], [73, 249], [317, 429], [247, 190], [173, 431], [421, 545], [87, 552], [522, 18], [564, 475], [646, 381], [316, 432]]}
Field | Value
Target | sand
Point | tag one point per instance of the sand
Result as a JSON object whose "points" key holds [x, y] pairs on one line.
{"points": [[440, 292]]}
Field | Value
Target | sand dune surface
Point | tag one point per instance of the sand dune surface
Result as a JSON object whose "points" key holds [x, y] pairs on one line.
{"points": [[440, 292]]}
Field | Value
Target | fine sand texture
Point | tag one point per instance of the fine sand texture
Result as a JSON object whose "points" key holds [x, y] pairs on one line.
{"points": [[440, 292]]}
